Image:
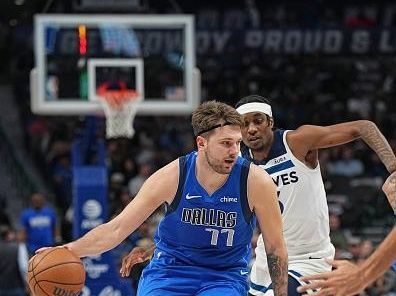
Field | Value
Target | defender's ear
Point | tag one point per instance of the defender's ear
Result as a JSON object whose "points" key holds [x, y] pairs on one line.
{"points": [[271, 122]]}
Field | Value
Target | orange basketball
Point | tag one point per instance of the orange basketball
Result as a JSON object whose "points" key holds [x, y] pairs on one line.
{"points": [[56, 271]]}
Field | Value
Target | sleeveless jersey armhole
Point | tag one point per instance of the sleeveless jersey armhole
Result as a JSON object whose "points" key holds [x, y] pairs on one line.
{"points": [[182, 176], [247, 213], [295, 160]]}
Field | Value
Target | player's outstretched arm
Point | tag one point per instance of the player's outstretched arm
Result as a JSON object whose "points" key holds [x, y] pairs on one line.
{"points": [[263, 201], [389, 189], [311, 137], [157, 189], [137, 255], [349, 278]]}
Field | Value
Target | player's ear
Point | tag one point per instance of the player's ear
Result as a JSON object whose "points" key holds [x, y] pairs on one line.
{"points": [[271, 122], [200, 142]]}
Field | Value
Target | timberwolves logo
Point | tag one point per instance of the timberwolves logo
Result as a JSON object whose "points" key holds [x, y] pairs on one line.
{"points": [[62, 292]]}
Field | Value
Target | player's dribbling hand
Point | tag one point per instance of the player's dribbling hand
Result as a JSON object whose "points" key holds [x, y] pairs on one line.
{"points": [[137, 255], [47, 248], [344, 280]]}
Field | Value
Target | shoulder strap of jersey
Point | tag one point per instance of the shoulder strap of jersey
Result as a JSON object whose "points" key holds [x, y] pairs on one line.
{"points": [[247, 213], [182, 177]]}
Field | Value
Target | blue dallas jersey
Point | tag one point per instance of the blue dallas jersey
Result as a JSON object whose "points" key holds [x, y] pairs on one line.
{"points": [[208, 230]]}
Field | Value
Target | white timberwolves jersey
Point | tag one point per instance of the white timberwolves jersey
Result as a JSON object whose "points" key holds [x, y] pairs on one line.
{"points": [[303, 203]]}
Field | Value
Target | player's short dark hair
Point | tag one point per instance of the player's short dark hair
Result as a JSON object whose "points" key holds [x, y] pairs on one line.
{"points": [[252, 99], [212, 114]]}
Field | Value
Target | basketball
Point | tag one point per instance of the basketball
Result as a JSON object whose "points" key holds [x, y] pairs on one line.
{"points": [[56, 271]]}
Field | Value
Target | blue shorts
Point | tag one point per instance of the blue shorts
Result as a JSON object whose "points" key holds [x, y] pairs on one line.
{"points": [[166, 277]]}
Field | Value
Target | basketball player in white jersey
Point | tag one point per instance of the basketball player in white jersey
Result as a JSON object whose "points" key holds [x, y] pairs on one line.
{"points": [[291, 158]]}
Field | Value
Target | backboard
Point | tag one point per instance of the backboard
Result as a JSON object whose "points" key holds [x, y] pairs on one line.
{"points": [[76, 54]]}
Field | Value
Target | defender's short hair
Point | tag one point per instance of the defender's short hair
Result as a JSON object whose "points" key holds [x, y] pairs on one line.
{"points": [[252, 99]]}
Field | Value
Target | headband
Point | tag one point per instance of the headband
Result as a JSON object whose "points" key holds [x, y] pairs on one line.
{"points": [[255, 107], [213, 127]]}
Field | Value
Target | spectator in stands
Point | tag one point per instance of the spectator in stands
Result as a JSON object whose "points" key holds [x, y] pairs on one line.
{"points": [[144, 171], [129, 169], [337, 236], [62, 179], [348, 165], [115, 155], [354, 247], [39, 227], [366, 249], [117, 180], [13, 264], [122, 201]]}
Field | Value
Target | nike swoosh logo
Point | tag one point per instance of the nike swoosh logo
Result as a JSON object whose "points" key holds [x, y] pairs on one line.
{"points": [[188, 196], [244, 272], [310, 257]]}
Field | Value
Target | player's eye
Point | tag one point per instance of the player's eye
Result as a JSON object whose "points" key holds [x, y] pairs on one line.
{"points": [[226, 143]]}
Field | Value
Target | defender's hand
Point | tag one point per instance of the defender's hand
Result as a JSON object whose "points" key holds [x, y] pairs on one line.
{"points": [[137, 255], [344, 280]]}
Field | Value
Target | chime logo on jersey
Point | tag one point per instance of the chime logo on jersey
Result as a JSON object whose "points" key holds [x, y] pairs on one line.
{"points": [[209, 217], [228, 199]]}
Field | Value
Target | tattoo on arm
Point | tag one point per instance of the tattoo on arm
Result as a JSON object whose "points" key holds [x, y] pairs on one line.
{"points": [[278, 271], [392, 195], [376, 140]]}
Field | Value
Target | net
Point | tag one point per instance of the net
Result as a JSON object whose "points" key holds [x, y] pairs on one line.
{"points": [[120, 108]]}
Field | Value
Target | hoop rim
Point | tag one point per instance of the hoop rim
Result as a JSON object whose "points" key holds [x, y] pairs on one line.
{"points": [[119, 94]]}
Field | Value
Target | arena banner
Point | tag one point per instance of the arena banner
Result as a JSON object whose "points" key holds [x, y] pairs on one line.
{"points": [[328, 41], [90, 210]]}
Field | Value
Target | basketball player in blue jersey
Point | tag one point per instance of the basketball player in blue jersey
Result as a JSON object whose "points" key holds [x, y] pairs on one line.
{"points": [[291, 158], [213, 197]]}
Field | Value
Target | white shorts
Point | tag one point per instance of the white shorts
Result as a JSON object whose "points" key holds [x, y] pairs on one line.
{"points": [[260, 279]]}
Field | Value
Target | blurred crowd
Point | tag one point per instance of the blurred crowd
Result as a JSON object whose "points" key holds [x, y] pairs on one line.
{"points": [[314, 89]]}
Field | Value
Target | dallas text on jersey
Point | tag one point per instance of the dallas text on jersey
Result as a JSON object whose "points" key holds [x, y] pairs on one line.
{"points": [[209, 217]]}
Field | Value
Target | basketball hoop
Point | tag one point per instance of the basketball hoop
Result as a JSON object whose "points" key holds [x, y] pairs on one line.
{"points": [[120, 108]]}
